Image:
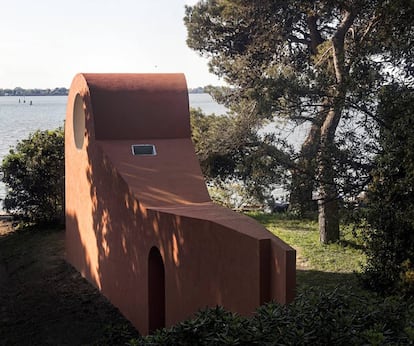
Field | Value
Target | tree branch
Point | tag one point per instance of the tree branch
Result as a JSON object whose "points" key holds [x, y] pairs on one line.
{"points": [[374, 21], [315, 35], [321, 60], [368, 113], [338, 43]]}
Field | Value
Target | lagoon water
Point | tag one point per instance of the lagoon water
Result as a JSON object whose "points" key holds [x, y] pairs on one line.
{"points": [[20, 116]]}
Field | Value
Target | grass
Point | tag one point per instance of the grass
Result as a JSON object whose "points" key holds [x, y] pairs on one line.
{"points": [[317, 264]]}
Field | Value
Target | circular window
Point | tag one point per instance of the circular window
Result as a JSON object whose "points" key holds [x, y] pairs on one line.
{"points": [[78, 122]]}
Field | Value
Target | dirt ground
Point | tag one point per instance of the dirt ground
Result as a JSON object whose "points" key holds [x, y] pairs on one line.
{"points": [[45, 301]]}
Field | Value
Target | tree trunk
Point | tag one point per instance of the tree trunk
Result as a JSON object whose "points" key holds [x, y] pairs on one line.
{"points": [[328, 196], [328, 221], [327, 201]]}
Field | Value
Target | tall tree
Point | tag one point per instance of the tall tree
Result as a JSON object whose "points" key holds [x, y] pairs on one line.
{"points": [[319, 62]]}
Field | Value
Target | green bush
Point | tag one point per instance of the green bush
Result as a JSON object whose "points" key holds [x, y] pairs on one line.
{"points": [[230, 150], [34, 177], [314, 318], [389, 233]]}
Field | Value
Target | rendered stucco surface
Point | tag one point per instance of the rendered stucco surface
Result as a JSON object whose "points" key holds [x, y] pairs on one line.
{"points": [[143, 228]]}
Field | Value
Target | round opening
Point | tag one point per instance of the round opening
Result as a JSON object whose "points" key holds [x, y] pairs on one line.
{"points": [[78, 122]]}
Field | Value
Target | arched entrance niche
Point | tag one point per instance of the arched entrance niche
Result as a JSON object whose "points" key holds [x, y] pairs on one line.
{"points": [[156, 290]]}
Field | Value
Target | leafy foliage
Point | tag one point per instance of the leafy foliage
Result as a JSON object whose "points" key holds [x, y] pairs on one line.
{"points": [[390, 212], [319, 63], [34, 175], [314, 318], [231, 151]]}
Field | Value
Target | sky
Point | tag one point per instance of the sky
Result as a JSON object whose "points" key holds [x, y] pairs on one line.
{"points": [[45, 43]]}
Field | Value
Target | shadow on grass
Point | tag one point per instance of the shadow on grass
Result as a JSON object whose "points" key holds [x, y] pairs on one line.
{"points": [[351, 244], [327, 280], [45, 301], [284, 220]]}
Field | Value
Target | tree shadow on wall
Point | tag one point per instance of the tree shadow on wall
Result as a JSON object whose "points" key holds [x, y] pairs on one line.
{"points": [[124, 232]]}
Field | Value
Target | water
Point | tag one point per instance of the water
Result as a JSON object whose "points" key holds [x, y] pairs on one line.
{"points": [[207, 104], [20, 116]]}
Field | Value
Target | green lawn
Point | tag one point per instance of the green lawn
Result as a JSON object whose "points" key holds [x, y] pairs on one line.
{"points": [[317, 264]]}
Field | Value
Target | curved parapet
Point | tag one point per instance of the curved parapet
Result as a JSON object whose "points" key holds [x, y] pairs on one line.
{"points": [[118, 103], [140, 224]]}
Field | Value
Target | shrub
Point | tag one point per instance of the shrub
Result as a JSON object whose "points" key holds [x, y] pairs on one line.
{"points": [[390, 213], [314, 318], [34, 177]]}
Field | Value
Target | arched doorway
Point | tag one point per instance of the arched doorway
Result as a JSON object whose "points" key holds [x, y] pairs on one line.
{"points": [[156, 290]]}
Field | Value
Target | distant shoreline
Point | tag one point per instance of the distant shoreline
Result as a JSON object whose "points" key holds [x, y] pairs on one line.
{"points": [[34, 92], [62, 92]]}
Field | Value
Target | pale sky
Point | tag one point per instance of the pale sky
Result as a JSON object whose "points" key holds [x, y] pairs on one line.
{"points": [[44, 43]]}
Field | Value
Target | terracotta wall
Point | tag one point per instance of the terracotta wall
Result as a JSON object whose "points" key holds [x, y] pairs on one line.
{"points": [[143, 229]]}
